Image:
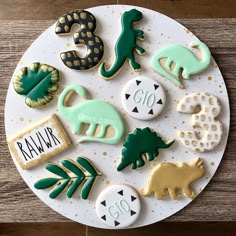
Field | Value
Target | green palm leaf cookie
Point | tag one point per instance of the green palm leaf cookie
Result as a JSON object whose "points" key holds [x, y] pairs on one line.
{"points": [[141, 143], [70, 176], [39, 82]]}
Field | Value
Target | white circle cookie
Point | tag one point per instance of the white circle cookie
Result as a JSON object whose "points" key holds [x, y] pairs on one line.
{"points": [[118, 206], [143, 98]]}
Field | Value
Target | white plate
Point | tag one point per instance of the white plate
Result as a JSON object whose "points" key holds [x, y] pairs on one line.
{"points": [[159, 31]]}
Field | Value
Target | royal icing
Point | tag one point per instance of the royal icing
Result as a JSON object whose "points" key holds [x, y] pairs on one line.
{"points": [[143, 98], [140, 145], [211, 131], [94, 113], [39, 142], [167, 178], [125, 45], [39, 82], [182, 58], [85, 36], [69, 177], [118, 206]]}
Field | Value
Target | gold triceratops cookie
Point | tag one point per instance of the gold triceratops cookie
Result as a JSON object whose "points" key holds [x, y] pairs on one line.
{"points": [[167, 178]]}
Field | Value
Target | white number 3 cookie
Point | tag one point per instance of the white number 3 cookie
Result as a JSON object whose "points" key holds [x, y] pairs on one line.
{"points": [[207, 131]]}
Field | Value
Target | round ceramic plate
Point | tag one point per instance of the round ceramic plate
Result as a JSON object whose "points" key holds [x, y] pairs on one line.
{"points": [[159, 31]]}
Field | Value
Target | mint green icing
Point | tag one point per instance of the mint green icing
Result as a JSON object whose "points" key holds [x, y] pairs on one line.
{"points": [[183, 59], [126, 44], [92, 112]]}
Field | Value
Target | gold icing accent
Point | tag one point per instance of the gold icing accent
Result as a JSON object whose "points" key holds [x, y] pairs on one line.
{"points": [[167, 178]]}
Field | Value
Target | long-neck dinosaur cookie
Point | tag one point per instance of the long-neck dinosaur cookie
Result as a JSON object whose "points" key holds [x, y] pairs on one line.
{"points": [[142, 143], [92, 112], [125, 45], [183, 59], [205, 119], [167, 178], [85, 36]]}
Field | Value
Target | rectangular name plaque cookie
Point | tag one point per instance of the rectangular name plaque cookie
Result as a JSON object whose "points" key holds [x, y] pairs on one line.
{"points": [[39, 142]]}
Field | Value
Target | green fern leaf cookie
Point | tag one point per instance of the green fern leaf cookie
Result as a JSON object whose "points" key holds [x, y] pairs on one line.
{"points": [[39, 82]]}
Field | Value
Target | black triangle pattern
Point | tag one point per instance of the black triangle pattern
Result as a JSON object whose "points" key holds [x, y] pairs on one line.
{"points": [[133, 198], [150, 112], [121, 192], [156, 86], [135, 110], [138, 82], [103, 203], [159, 102], [116, 223], [132, 213], [104, 217], [127, 96]]}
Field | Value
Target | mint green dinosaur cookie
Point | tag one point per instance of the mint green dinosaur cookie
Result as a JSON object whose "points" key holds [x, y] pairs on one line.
{"points": [[125, 45], [184, 59], [94, 113], [39, 82], [141, 142]]}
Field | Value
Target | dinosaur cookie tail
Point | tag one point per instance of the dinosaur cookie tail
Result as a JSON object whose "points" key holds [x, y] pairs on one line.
{"points": [[158, 67], [122, 166], [145, 192], [109, 74]]}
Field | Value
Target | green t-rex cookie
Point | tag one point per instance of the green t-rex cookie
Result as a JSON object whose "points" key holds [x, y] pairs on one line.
{"points": [[125, 45], [141, 142], [39, 82]]}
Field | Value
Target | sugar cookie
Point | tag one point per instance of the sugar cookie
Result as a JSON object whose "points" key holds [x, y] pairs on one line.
{"points": [[167, 178], [118, 206], [125, 45], [94, 113], [85, 36], [39, 82], [205, 119], [139, 145], [184, 59], [69, 177], [39, 142], [143, 98]]}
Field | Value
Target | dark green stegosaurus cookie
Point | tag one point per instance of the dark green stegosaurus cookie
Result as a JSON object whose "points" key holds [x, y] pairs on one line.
{"points": [[141, 142], [39, 82]]}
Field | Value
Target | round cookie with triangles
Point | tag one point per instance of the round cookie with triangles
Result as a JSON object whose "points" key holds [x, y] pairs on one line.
{"points": [[143, 98], [118, 206]]}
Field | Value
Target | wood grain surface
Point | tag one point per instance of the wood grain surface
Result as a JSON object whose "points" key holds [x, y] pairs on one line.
{"points": [[216, 203]]}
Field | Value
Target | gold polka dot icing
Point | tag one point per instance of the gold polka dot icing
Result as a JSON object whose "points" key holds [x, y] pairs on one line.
{"points": [[85, 36], [211, 130]]}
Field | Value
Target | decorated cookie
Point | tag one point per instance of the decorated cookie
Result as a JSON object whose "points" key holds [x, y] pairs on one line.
{"points": [[69, 177], [118, 206], [211, 130], [39, 82], [140, 145], [85, 36], [143, 98], [125, 45], [182, 59], [167, 178], [39, 142], [92, 112]]}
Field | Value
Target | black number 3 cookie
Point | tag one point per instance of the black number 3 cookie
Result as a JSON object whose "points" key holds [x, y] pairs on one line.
{"points": [[84, 36]]}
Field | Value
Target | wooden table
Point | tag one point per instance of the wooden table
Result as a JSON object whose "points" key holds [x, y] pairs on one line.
{"points": [[22, 212]]}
